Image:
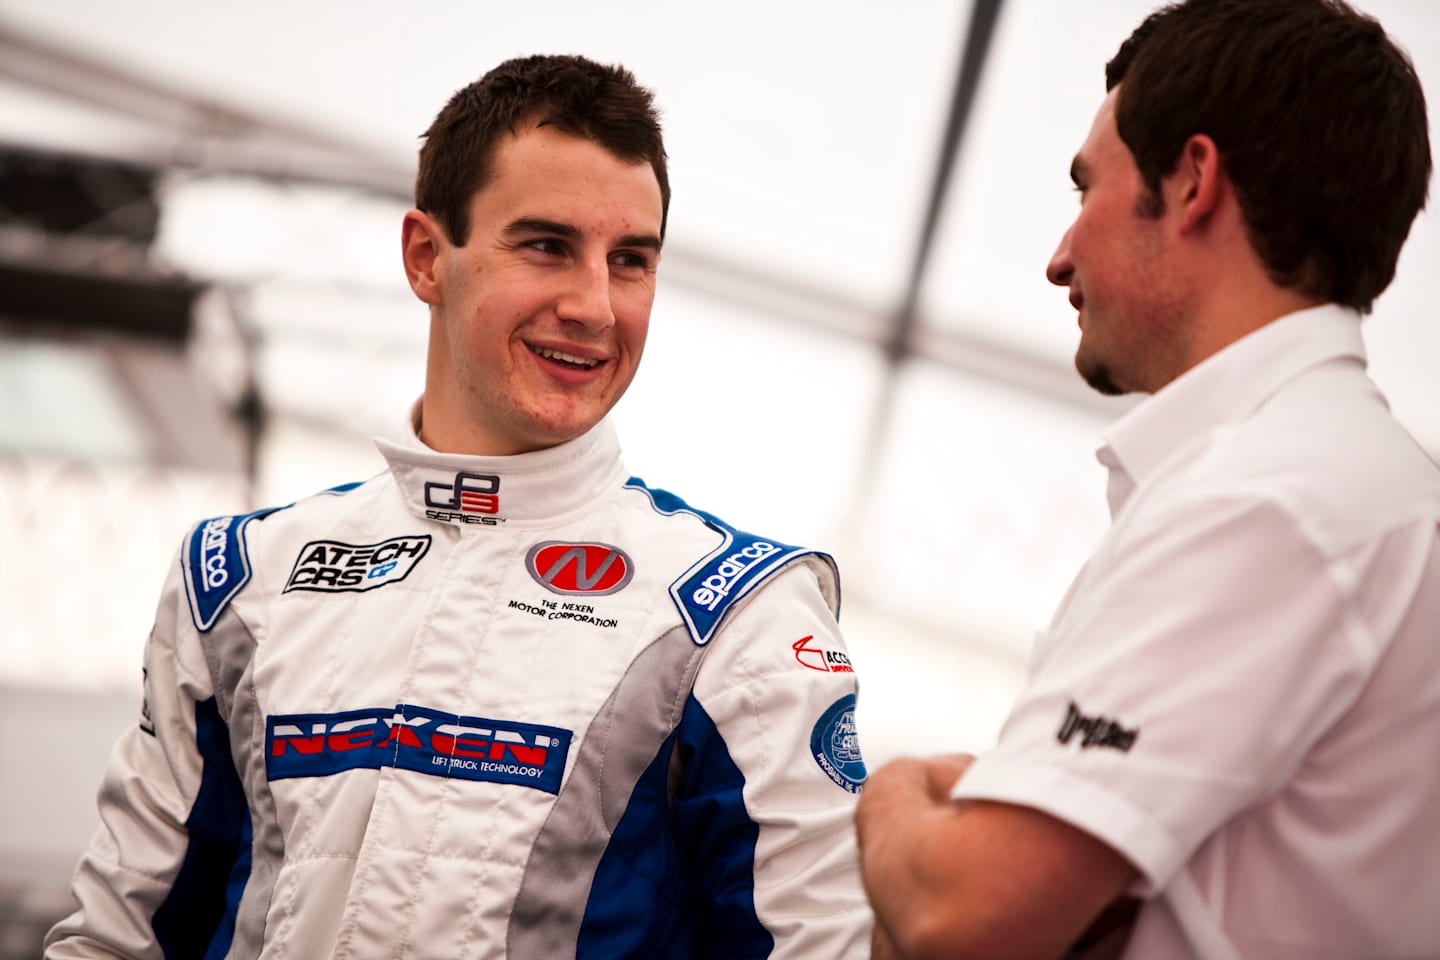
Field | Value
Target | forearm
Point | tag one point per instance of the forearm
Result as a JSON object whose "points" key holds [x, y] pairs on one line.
{"points": [[901, 819], [982, 879]]}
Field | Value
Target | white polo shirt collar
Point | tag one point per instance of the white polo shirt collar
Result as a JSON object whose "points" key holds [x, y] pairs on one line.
{"points": [[1223, 388]]}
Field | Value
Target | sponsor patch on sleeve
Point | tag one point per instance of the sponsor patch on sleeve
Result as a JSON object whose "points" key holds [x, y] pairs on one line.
{"points": [[217, 565], [835, 745], [147, 725], [809, 653], [706, 593], [712, 587]]}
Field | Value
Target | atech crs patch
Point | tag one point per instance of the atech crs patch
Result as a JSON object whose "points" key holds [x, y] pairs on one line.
{"points": [[835, 745], [335, 567]]}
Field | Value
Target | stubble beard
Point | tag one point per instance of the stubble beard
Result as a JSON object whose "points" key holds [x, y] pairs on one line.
{"points": [[1096, 374], [1156, 353], [1162, 329]]}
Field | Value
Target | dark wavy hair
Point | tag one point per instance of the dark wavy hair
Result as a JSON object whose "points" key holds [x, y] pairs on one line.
{"points": [[1319, 118], [599, 103]]}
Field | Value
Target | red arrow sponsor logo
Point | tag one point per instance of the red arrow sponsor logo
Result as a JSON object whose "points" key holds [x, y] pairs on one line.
{"points": [[818, 658]]}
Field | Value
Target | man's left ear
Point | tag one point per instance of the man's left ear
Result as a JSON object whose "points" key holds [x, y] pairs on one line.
{"points": [[1198, 181]]}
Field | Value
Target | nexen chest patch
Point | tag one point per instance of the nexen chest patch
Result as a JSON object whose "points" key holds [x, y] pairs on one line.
{"points": [[334, 567], [417, 739]]}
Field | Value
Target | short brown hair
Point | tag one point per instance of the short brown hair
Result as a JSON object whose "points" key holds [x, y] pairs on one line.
{"points": [[599, 103], [1319, 118]]}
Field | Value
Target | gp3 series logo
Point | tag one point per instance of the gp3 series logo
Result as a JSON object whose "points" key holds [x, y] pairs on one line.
{"points": [[418, 739], [330, 566], [471, 498], [818, 658], [596, 569]]}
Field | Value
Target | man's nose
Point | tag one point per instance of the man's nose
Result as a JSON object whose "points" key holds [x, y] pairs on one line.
{"points": [[586, 298], [1060, 268]]}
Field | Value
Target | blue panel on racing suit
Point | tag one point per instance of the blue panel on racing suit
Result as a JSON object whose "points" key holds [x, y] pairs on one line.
{"points": [[678, 877], [197, 919]]}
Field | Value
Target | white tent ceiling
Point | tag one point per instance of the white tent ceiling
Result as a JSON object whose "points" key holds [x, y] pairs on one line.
{"points": [[803, 139]]}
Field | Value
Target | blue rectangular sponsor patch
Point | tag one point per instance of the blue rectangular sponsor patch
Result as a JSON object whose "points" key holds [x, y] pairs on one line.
{"points": [[418, 739]]}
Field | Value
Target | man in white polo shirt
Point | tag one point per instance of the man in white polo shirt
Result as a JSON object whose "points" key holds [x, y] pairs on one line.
{"points": [[1228, 744]]}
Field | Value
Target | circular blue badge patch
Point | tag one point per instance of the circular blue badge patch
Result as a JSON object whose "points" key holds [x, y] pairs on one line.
{"points": [[835, 745]]}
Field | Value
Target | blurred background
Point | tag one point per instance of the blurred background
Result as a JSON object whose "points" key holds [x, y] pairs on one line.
{"points": [[854, 347]]}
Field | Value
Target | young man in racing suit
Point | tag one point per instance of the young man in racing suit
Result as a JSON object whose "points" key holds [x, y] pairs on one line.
{"points": [[502, 699]]}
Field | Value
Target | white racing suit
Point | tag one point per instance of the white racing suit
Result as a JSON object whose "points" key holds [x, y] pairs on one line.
{"points": [[482, 707]]}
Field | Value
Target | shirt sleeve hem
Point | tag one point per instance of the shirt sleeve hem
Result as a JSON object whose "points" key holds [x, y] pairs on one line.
{"points": [[1084, 805]]}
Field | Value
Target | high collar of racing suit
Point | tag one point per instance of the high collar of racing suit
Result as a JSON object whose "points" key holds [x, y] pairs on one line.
{"points": [[530, 489]]}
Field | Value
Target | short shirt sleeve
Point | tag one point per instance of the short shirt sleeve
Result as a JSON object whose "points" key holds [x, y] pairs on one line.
{"points": [[1198, 658]]}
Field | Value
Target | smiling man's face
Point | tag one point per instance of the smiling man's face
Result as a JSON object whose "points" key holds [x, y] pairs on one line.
{"points": [[538, 322]]}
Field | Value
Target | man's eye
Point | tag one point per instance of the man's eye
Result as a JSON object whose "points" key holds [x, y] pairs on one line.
{"points": [[546, 245], [635, 260]]}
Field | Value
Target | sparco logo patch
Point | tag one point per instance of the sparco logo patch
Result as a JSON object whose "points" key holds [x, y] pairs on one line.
{"points": [[335, 567], [214, 553], [596, 569], [216, 565], [1095, 731], [471, 498], [729, 573], [835, 745], [417, 739], [816, 657]]}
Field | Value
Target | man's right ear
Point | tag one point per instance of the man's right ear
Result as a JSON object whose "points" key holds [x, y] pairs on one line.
{"points": [[421, 241]]}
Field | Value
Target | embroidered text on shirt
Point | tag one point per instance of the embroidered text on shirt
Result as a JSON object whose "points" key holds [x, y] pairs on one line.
{"points": [[1098, 731]]}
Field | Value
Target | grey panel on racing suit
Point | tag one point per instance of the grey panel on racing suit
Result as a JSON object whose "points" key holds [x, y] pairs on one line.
{"points": [[230, 651], [648, 702]]}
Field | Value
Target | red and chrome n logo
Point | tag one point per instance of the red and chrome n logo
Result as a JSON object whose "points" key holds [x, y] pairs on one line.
{"points": [[579, 568]]}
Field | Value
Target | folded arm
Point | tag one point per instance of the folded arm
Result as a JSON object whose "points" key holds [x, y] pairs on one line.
{"points": [[951, 878]]}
